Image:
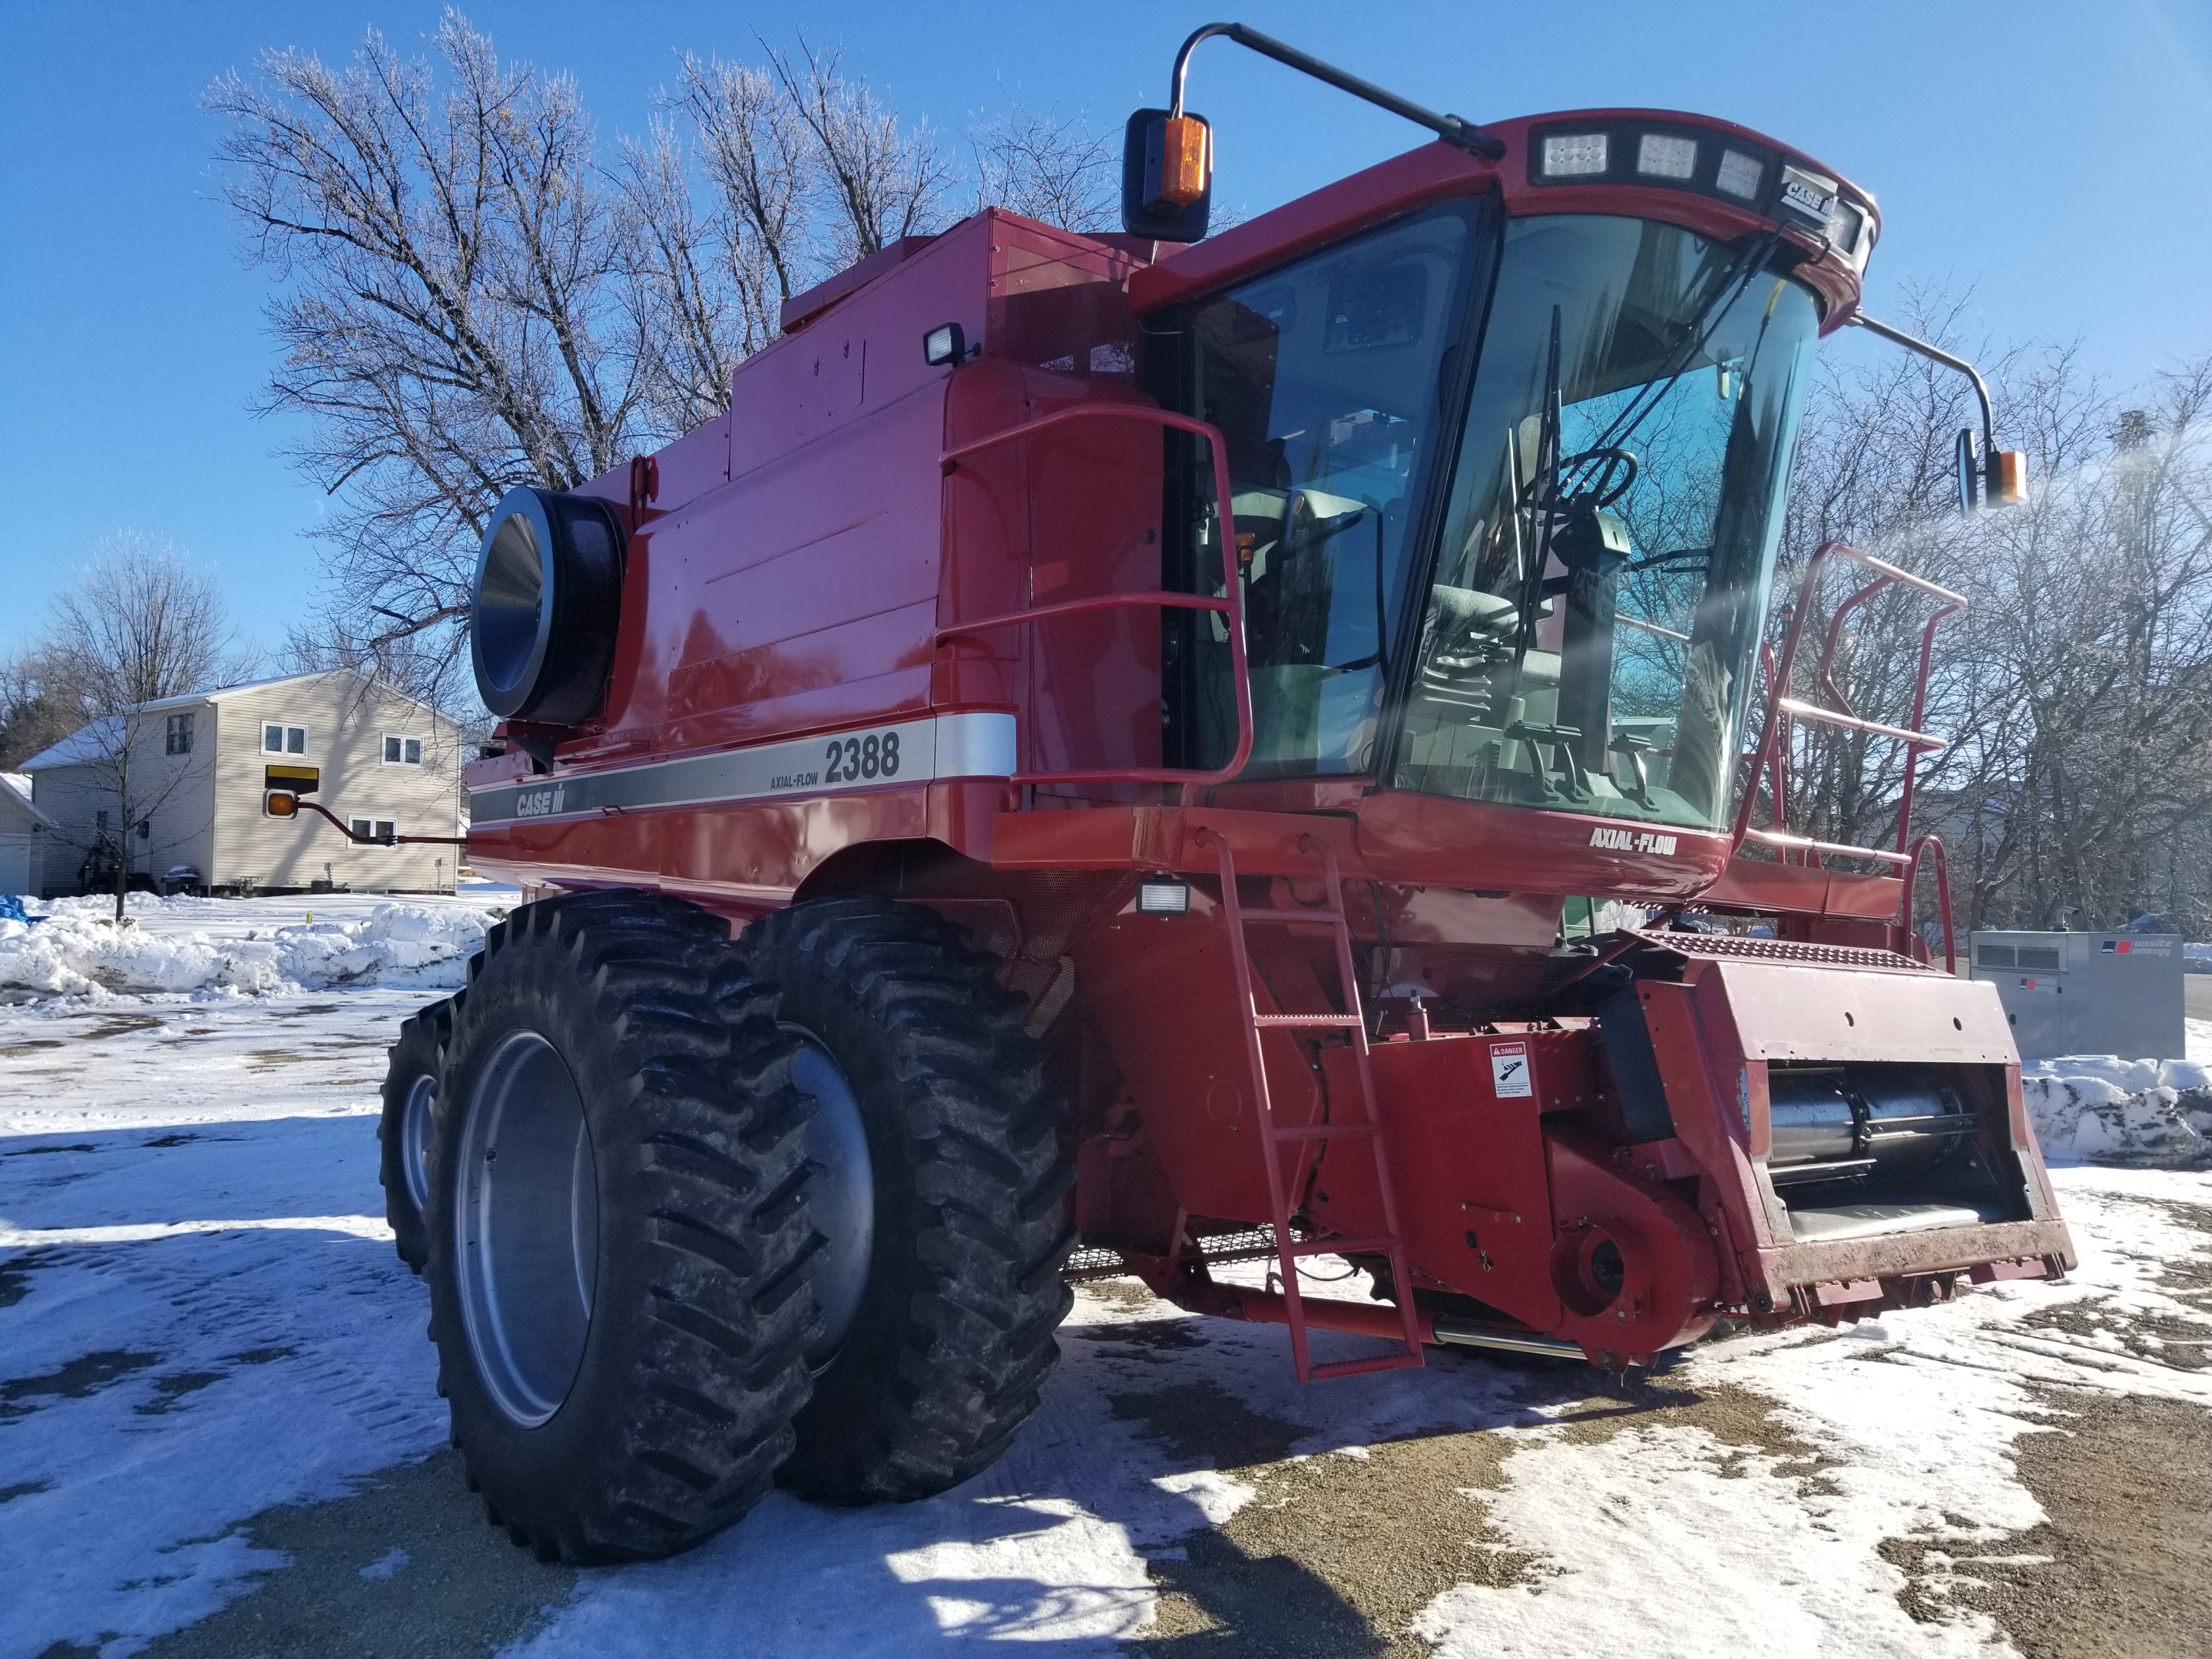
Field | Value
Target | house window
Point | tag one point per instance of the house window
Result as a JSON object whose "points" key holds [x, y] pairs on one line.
{"points": [[284, 739], [179, 736], [402, 751], [380, 828]]}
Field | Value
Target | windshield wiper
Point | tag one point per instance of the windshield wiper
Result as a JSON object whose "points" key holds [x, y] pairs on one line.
{"points": [[1552, 512], [1734, 278], [1542, 491]]}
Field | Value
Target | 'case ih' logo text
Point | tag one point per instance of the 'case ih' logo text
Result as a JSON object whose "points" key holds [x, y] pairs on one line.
{"points": [[538, 803], [1631, 841]]}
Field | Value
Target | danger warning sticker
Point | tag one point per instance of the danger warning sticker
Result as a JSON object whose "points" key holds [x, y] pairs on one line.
{"points": [[1510, 1076]]}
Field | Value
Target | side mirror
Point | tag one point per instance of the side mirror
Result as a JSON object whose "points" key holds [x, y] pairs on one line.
{"points": [[1167, 176], [1968, 466], [280, 804]]}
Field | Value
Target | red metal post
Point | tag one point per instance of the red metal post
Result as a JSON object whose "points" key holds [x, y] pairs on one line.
{"points": [[1942, 895]]}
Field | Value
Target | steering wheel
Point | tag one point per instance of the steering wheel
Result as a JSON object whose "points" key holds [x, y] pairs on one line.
{"points": [[1612, 474]]}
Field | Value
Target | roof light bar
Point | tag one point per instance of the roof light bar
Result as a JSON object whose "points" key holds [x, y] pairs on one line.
{"points": [[1637, 151]]}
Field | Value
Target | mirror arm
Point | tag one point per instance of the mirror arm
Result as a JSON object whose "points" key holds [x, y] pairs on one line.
{"points": [[1452, 128], [1935, 354]]}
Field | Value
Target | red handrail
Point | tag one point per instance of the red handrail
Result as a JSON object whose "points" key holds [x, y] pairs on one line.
{"points": [[1942, 895], [1771, 760], [1231, 606], [1805, 845]]}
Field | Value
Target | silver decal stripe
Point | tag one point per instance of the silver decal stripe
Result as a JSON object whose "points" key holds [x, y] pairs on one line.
{"points": [[969, 745]]}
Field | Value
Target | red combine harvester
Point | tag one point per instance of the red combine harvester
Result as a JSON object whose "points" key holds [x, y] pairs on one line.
{"points": [[1103, 762]]}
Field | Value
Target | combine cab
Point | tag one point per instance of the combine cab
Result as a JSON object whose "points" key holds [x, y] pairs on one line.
{"points": [[1098, 763]]}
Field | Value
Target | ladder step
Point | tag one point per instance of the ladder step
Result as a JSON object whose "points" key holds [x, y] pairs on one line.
{"points": [[1327, 918], [1341, 1022], [1344, 1246], [1323, 1131], [1381, 1361]]}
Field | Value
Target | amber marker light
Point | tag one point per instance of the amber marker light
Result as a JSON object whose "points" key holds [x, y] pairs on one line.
{"points": [[1186, 159], [2008, 476], [280, 804]]}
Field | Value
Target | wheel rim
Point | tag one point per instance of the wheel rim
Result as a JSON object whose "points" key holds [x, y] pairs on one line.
{"points": [[415, 1139], [840, 1193], [526, 1229]]}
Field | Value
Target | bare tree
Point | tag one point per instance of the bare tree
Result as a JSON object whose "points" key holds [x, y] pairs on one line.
{"points": [[472, 300], [137, 626], [450, 316], [35, 712], [450, 324], [2074, 689], [1059, 171], [2102, 628], [889, 180]]}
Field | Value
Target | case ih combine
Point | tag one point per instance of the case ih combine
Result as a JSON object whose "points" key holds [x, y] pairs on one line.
{"points": [[1099, 762]]}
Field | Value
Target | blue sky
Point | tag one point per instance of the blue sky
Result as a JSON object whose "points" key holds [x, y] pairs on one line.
{"points": [[2052, 156]]}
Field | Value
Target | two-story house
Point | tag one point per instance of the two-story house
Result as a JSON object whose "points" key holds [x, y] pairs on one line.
{"points": [[176, 787]]}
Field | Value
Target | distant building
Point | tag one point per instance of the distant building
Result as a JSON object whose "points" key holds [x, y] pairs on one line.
{"points": [[174, 790], [24, 832]]}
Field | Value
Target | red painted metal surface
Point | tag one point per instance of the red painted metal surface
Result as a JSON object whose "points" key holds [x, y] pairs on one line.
{"points": [[866, 540]]}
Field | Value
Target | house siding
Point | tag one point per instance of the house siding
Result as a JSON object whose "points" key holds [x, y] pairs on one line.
{"points": [[171, 794], [346, 721], [22, 844], [205, 808]]}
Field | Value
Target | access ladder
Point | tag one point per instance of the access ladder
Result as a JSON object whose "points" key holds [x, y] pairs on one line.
{"points": [[1366, 1129]]}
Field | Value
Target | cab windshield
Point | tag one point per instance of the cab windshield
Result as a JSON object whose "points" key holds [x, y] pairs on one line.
{"points": [[1587, 638]]}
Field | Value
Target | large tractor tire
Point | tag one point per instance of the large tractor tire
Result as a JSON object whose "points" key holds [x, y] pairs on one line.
{"points": [[938, 1188], [619, 1244], [410, 1092]]}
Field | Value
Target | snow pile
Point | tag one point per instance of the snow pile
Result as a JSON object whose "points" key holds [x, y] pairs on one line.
{"points": [[398, 943], [2103, 1110], [75, 953]]}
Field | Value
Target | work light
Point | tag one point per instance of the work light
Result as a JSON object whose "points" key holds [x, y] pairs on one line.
{"points": [[1663, 157], [1575, 155], [1163, 898], [1740, 175], [946, 343]]}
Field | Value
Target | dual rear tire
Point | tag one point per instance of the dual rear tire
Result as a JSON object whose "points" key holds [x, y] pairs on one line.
{"points": [[415, 1064], [700, 1215]]}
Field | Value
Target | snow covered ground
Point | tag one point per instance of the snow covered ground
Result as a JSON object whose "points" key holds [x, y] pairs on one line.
{"points": [[185, 945], [201, 1317]]}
